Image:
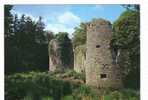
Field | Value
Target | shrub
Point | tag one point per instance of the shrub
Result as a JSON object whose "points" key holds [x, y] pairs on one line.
{"points": [[36, 85], [75, 75], [116, 95], [84, 92], [70, 97], [45, 86], [28, 98], [122, 95], [47, 98]]}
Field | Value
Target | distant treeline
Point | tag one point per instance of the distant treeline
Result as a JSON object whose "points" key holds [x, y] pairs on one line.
{"points": [[26, 43]]}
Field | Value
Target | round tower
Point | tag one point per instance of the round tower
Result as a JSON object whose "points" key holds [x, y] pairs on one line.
{"points": [[101, 72]]}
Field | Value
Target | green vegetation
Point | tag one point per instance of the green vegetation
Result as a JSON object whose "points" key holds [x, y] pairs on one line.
{"points": [[36, 85], [26, 44], [26, 50], [79, 35], [66, 49], [126, 39], [52, 86]]}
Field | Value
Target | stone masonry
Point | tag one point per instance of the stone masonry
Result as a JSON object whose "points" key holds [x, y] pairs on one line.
{"points": [[101, 71], [80, 58], [54, 56]]}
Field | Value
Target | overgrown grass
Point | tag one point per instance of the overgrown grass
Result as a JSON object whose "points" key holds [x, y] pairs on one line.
{"points": [[58, 86], [37, 85]]}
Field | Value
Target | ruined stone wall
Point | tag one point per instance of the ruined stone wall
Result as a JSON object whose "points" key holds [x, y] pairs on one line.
{"points": [[100, 70], [80, 58], [56, 59], [54, 56]]}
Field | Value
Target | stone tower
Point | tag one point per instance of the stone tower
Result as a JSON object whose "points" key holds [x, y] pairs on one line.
{"points": [[101, 71]]}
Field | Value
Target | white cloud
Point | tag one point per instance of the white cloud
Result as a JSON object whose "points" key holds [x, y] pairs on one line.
{"points": [[65, 22], [59, 28], [69, 19]]}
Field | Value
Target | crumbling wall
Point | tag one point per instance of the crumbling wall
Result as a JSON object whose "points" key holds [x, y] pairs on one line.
{"points": [[57, 58], [54, 55], [80, 58], [100, 70]]}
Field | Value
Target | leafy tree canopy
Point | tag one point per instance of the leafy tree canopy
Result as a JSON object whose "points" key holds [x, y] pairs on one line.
{"points": [[65, 48], [79, 35], [8, 20], [26, 44], [126, 37]]}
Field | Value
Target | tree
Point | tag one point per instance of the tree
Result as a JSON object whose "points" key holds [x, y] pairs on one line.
{"points": [[132, 7], [126, 39], [8, 20], [40, 38], [79, 35], [8, 35], [26, 48], [49, 35], [66, 50]]}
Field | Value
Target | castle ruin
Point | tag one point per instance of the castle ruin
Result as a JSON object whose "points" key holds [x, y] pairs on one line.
{"points": [[96, 58], [101, 71], [80, 58], [56, 59], [54, 55]]}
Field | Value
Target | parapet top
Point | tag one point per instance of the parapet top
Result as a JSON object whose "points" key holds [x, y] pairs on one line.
{"points": [[99, 21]]}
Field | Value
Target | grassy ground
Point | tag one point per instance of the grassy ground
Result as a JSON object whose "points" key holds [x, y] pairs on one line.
{"points": [[67, 85]]}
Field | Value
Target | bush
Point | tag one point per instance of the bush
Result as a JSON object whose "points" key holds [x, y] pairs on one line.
{"points": [[36, 85], [85, 93], [123, 95], [116, 95], [45, 86], [68, 98], [72, 73]]}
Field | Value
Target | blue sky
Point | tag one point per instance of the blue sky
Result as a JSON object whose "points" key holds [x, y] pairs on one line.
{"points": [[64, 18]]}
